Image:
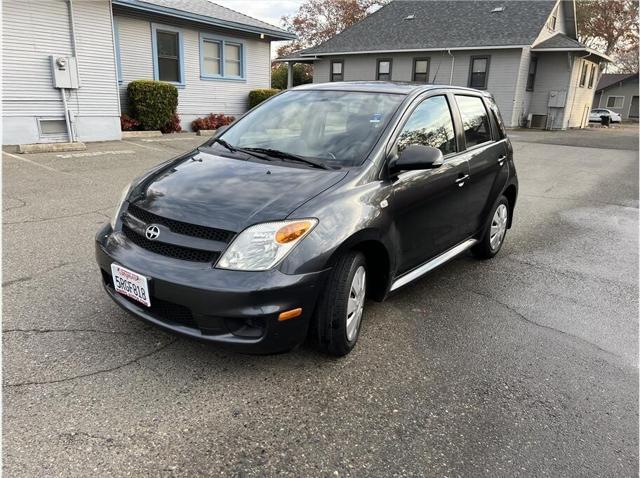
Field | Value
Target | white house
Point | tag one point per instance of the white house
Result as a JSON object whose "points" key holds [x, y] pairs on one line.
{"points": [[525, 52], [66, 63]]}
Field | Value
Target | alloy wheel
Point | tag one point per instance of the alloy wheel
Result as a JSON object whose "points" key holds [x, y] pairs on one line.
{"points": [[355, 305], [498, 227]]}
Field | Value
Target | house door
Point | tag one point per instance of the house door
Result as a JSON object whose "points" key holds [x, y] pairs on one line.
{"points": [[633, 110]]}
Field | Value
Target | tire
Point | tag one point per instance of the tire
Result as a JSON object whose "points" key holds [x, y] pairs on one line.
{"points": [[497, 223], [337, 333]]}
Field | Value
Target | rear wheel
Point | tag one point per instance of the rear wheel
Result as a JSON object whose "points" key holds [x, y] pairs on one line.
{"points": [[495, 231], [341, 306]]}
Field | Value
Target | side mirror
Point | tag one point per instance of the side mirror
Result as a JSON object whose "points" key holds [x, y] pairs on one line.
{"points": [[418, 156]]}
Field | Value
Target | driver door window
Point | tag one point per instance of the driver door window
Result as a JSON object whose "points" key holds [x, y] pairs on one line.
{"points": [[430, 124]]}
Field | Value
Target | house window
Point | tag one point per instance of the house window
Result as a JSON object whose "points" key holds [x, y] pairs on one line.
{"points": [[592, 76], [531, 78], [221, 58], [478, 72], [232, 59], [384, 70], [553, 19], [615, 102], [167, 58], [583, 74], [211, 58], [337, 70], [421, 70]]}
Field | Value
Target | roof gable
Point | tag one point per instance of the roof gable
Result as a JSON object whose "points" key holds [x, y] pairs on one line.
{"points": [[610, 79], [442, 24]]}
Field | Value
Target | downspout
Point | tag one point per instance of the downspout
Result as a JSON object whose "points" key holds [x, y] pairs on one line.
{"points": [[74, 42], [453, 62], [69, 120]]}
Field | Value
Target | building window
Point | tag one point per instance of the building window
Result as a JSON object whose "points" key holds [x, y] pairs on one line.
{"points": [[221, 58], [337, 70], [421, 70], [615, 102], [553, 19], [583, 74], [168, 54], [383, 71], [531, 78], [479, 72], [592, 76]]}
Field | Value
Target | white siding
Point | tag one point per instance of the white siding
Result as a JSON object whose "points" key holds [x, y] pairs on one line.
{"points": [[561, 26], [503, 71], [198, 97], [522, 98], [580, 98], [32, 31]]}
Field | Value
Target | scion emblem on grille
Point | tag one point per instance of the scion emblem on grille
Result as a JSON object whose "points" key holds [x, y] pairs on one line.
{"points": [[152, 232]]}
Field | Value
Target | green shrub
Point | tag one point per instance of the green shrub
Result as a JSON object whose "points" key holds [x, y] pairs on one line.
{"points": [[152, 103], [258, 96]]}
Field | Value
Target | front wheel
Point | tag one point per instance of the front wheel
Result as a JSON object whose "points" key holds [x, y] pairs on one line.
{"points": [[341, 306], [494, 234]]}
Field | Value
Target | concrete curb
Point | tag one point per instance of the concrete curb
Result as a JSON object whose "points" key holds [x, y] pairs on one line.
{"points": [[50, 147], [140, 134], [206, 132]]}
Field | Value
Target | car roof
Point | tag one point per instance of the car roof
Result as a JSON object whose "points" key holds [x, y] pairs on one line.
{"points": [[393, 87]]}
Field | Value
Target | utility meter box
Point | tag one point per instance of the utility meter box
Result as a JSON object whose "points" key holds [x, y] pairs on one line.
{"points": [[557, 99], [65, 72]]}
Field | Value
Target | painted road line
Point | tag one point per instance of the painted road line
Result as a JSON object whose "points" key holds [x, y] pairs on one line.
{"points": [[144, 146], [35, 163], [162, 140]]}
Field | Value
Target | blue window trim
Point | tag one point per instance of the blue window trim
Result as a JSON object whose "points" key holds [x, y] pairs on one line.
{"points": [[155, 27], [222, 41], [116, 38]]}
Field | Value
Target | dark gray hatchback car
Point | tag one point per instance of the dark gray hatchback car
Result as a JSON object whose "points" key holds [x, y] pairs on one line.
{"points": [[279, 227]]}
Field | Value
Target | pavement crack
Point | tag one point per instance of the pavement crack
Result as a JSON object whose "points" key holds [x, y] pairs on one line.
{"points": [[22, 204], [555, 198], [70, 331], [80, 214], [524, 318], [46, 271], [97, 372]]}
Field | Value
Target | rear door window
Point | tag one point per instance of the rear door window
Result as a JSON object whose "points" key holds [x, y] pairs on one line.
{"points": [[475, 121]]}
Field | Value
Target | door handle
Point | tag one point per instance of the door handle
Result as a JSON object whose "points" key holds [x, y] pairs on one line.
{"points": [[461, 180], [501, 160]]}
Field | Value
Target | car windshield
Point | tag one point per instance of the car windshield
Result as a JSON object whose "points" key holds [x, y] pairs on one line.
{"points": [[335, 128]]}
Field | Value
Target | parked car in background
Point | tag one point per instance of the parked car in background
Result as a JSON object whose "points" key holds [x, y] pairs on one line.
{"points": [[596, 116], [281, 225]]}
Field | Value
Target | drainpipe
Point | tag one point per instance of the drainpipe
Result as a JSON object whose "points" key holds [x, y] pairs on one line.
{"points": [[453, 62], [74, 42], [289, 75], [67, 118]]}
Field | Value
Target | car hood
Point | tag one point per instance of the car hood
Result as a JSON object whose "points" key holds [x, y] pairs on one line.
{"points": [[231, 194]]}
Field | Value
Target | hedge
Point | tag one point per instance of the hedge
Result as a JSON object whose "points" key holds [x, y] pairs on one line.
{"points": [[152, 103], [258, 96]]}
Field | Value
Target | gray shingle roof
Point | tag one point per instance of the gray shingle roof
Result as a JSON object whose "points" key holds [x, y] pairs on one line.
{"points": [[204, 10], [609, 79], [560, 41], [439, 24]]}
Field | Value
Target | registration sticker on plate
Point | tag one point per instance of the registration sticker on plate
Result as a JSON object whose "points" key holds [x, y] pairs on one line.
{"points": [[131, 284]]}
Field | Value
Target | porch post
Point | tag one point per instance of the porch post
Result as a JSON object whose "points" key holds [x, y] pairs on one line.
{"points": [[289, 75]]}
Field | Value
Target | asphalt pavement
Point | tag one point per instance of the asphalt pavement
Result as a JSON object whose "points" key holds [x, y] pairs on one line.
{"points": [[525, 365]]}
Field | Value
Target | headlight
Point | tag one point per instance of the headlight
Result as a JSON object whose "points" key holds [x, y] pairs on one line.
{"points": [[262, 246], [118, 211]]}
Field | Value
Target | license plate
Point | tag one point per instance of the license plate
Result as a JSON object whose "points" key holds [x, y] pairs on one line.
{"points": [[131, 284]]}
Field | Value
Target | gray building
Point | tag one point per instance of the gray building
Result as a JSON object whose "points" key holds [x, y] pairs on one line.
{"points": [[618, 92], [526, 53], [66, 63]]}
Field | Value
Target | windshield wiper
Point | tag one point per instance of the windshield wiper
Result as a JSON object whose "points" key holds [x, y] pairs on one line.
{"points": [[236, 149], [225, 144], [284, 155]]}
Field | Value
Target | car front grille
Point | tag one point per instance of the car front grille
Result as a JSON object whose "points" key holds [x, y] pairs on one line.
{"points": [[169, 250], [180, 227]]}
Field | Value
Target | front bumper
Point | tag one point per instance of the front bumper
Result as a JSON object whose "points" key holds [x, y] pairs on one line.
{"points": [[234, 308]]}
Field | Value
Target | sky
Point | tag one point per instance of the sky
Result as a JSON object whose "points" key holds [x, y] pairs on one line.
{"points": [[270, 11]]}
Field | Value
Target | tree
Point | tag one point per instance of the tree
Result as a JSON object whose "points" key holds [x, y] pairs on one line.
{"points": [[318, 20], [610, 26], [302, 74]]}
